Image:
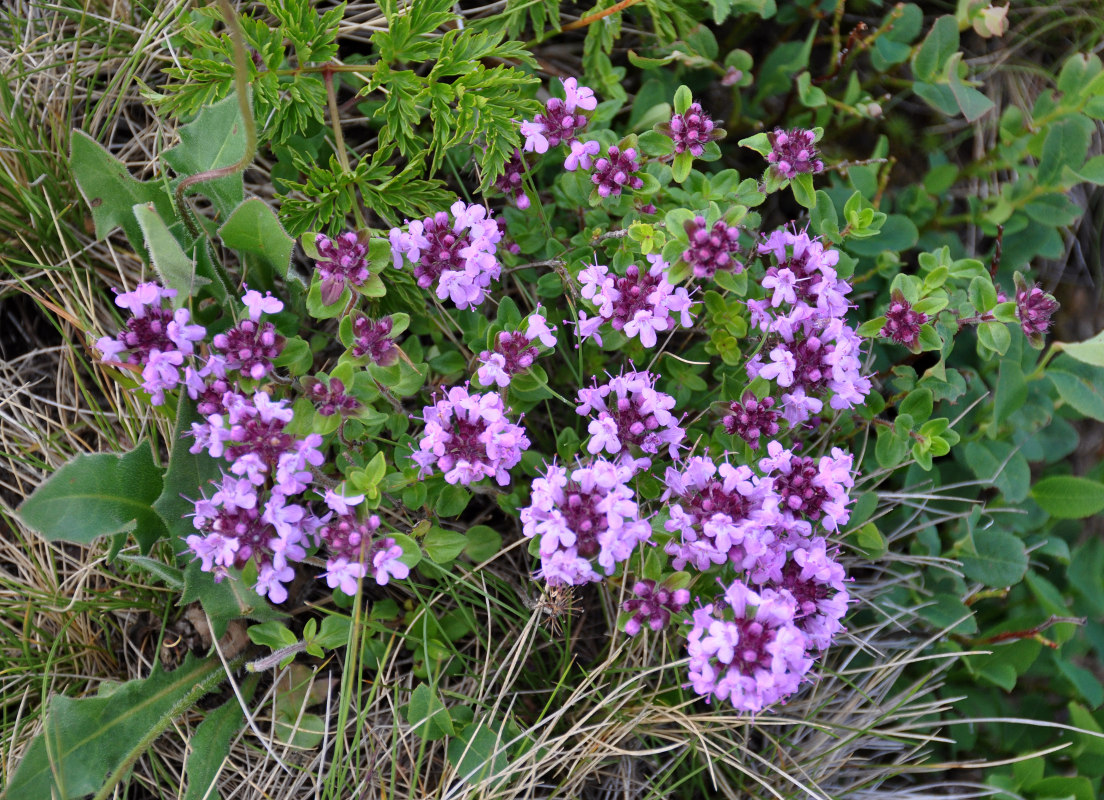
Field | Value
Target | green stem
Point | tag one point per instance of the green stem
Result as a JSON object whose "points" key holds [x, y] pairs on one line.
{"points": [[241, 88], [339, 141]]}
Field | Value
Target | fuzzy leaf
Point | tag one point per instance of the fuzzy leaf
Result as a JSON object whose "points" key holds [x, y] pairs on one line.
{"points": [[99, 495], [173, 265], [254, 229], [187, 475], [92, 737], [209, 747], [214, 139]]}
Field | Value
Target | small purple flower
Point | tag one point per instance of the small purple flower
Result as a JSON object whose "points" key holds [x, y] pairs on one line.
{"points": [[513, 353], [458, 257], [584, 515], [331, 399], [642, 303], [352, 552], [804, 271], [690, 131], [747, 649], [511, 181], [581, 155], [386, 564], [793, 152], [562, 119], [629, 413], [257, 304], [615, 171], [815, 490], [653, 606], [1034, 308], [251, 345], [468, 438], [750, 419], [713, 249], [816, 583], [372, 338], [902, 323], [343, 263]]}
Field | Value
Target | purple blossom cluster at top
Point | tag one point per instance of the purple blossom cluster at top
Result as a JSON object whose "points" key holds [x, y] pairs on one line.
{"points": [[1034, 308], [690, 131], [156, 339], [515, 352], [562, 119], [458, 256], [588, 514], [343, 263], [810, 350], [468, 437], [903, 322], [640, 304], [712, 249], [793, 152], [353, 548]]}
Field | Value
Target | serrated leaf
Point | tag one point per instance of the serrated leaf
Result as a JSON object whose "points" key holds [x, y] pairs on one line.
{"points": [[99, 495], [91, 737], [214, 139], [1000, 559], [111, 191]]}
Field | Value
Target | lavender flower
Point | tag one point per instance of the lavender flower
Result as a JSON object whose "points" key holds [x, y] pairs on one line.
{"points": [[616, 171], [589, 514], [721, 514], [1034, 308], [793, 153], [582, 155], [510, 182], [817, 491], [903, 323], [804, 272], [751, 418], [690, 131], [343, 263], [713, 249], [629, 413], [515, 352], [353, 551], [250, 346], [641, 303], [653, 606], [747, 649], [331, 399], [372, 338], [458, 257], [562, 119], [468, 438], [816, 583], [155, 338]]}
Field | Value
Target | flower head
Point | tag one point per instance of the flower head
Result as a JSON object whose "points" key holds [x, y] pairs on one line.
{"points": [[343, 263], [1034, 308], [628, 413], [793, 152], [712, 249], [616, 171], [562, 119], [690, 131]]}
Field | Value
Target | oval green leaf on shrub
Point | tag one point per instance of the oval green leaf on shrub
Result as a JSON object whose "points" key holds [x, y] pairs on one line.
{"points": [[1069, 497]]}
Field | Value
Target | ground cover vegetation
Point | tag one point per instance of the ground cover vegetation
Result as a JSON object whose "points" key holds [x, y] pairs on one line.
{"points": [[650, 399]]}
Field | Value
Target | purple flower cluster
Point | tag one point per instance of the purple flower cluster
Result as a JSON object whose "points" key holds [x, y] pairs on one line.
{"points": [[459, 257], [353, 553], [616, 171], [562, 119], [712, 249], [468, 437], [902, 322], [330, 399], [156, 339], [747, 649], [640, 304], [1034, 308], [515, 352], [511, 179], [343, 263], [691, 131], [372, 338], [810, 489], [653, 606], [811, 351], [628, 413], [750, 419], [584, 516], [250, 346], [793, 153]]}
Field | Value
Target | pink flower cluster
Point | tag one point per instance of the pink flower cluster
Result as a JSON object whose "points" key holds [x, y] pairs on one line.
{"points": [[588, 514], [458, 256], [468, 437], [641, 304], [515, 352], [353, 548], [562, 119], [343, 263], [628, 414]]}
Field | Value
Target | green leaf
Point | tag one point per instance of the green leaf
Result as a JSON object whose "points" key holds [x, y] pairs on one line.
{"points": [[1010, 392], [254, 229], [209, 745], [918, 405], [452, 500], [112, 192], [999, 559], [91, 738], [188, 473], [869, 541], [443, 546], [1090, 351], [995, 336], [428, 715], [214, 139], [998, 462], [683, 99], [802, 188], [173, 265], [483, 543], [972, 103], [680, 167], [1077, 392], [936, 50], [1065, 145], [947, 610], [99, 495], [478, 752], [273, 635], [1069, 497]]}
